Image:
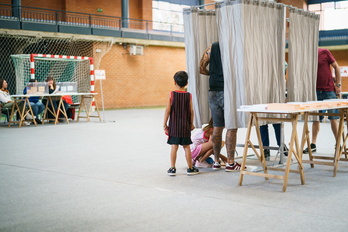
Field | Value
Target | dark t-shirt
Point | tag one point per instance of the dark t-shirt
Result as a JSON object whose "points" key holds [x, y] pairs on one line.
{"points": [[216, 80], [324, 76]]}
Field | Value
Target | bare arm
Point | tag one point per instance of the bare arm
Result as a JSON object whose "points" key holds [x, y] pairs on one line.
{"points": [[166, 114], [337, 77], [204, 62]]}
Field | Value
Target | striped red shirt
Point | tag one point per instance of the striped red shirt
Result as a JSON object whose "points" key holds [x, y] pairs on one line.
{"points": [[180, 114]]}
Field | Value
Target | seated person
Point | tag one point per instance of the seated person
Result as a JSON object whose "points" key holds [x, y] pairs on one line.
{"points": [[5, 98], [52, 87], [36, 104]]}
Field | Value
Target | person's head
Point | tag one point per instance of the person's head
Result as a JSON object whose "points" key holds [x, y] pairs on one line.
{"points": [[181, 78], [3, 84], [209, 126], [50, 80]]}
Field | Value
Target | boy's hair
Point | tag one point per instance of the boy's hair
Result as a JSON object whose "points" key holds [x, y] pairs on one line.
{"points": [[181, 78]]}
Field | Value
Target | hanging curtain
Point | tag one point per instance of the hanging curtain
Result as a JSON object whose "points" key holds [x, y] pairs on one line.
{"points": [[303, 56], [200, 32], [252, 44]]}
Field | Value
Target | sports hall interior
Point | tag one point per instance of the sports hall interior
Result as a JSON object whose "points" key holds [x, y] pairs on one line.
{"points": [[110, 175]]}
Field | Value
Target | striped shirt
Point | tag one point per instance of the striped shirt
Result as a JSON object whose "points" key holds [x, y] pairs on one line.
{"points": [[180, 114]]}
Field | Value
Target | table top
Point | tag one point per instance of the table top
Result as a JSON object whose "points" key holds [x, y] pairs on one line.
{"points": [[51, 95], [261, 108]]}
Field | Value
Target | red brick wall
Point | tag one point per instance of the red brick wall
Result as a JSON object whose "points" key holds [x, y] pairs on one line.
{"points": [[136, 81], [51, 4], [6, 1], [110, 8]]}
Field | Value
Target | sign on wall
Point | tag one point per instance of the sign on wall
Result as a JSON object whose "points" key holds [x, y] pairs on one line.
{"points": [[344, 71], [99, 74]]}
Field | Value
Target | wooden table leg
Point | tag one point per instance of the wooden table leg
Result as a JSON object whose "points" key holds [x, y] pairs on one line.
{"points": [[61, 109], [262, 154], [245, 151], [293, 141], [338, 148]]}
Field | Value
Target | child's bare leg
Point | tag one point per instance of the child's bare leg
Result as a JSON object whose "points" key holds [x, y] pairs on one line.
{"points": [[206, 148], [173, 153], [206, 155], [188, 155]]}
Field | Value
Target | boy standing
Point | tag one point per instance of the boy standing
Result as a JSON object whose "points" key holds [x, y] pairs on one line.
{"points": [[179, 112]]}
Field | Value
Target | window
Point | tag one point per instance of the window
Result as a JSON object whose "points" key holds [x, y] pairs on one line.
{"points": [[167, 15], [333, 15]]}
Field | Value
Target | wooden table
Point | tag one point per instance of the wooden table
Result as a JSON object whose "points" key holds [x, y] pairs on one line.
{"points": [[61, 110], [295, 147], [27, 110], [340, 146], [22, 111]]}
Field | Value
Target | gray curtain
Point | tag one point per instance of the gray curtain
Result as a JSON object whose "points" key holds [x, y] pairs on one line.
{"points": [[252, 43], [200, 32], [303, 56]]}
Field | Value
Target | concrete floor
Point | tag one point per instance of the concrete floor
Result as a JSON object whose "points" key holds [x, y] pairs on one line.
{"points": [[111, 176]]}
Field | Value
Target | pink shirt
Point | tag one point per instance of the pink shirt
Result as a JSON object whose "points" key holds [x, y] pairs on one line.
{"points": [[324, 77]]}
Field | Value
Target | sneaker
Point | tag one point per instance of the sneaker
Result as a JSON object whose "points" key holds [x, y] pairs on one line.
{"points": [[26, 123], [267, 154], [192, 171], [171, 171], [233, 167], [216, 166], [204, 164], [28, 117], [313, 148], [38, 121]]}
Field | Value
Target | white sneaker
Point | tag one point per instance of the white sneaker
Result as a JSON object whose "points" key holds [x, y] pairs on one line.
{"points": [[204, 164], [28, 117], [26, 123]]}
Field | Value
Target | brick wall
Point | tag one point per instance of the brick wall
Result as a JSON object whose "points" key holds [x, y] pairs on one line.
{"points": [[136, 81]]}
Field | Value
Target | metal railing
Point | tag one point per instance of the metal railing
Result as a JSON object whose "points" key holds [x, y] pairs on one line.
{"points": [[57, 17]]}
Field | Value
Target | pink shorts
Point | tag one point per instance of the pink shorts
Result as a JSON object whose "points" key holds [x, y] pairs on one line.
{"points": [[196, 151]]}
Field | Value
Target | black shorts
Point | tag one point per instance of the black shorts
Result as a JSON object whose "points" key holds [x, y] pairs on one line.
{"points": [[179, 140]]}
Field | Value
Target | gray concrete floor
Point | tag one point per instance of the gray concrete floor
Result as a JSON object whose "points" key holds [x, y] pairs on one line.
{"points": [[111, 176]]}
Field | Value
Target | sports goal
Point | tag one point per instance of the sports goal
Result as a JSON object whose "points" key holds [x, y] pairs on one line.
{"points": [[62, 68]]}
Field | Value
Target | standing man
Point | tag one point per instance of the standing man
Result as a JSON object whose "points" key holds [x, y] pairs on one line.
{"points": [[327, 88], [212, 57]]}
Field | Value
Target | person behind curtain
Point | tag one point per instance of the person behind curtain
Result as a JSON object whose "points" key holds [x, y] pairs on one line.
{"points": [[202, 146], [212, 57], [179, 112], [36, 104], [327, 88], [277, 130]]}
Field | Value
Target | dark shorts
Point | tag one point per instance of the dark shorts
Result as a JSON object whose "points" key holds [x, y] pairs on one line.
{"points": [[216, 103], [324, 95], [179, 140]]}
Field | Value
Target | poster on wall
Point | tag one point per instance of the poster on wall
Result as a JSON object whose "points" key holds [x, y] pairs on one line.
{"points": [[99, 74], [344, 71]]}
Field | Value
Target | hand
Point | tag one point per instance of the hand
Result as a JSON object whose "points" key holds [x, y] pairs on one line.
{"points": [[166, 129], [338, 90], [192, 127]]}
